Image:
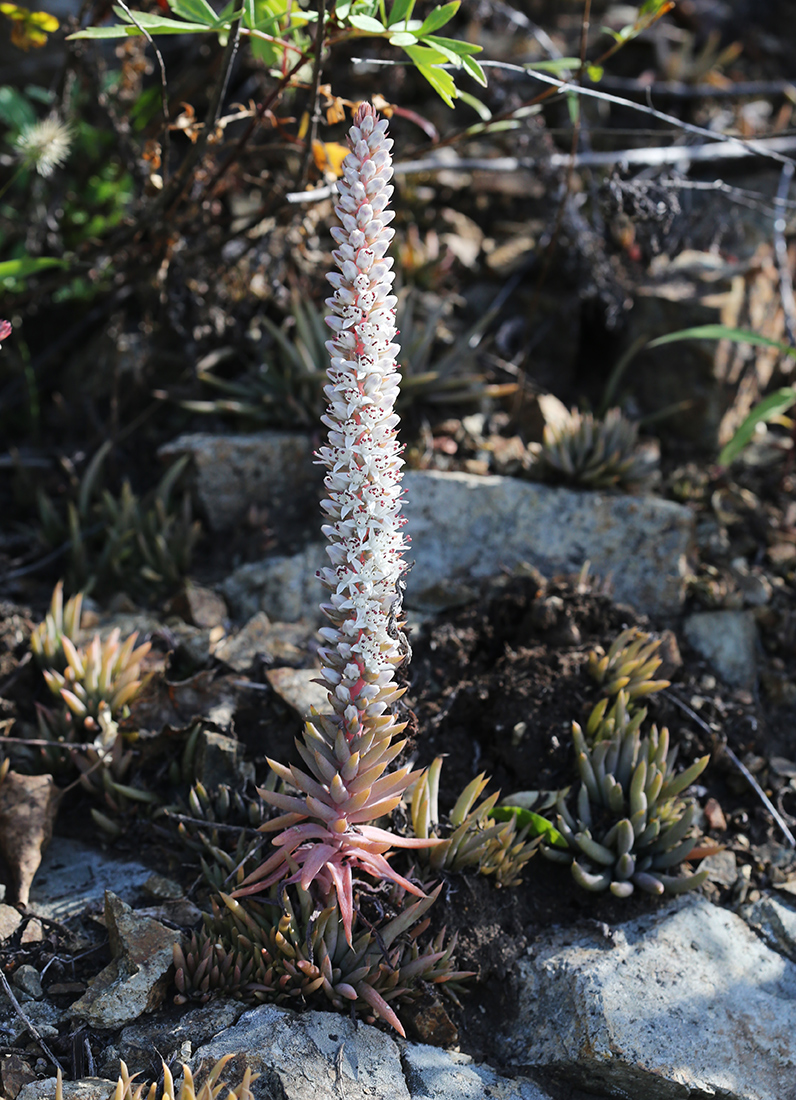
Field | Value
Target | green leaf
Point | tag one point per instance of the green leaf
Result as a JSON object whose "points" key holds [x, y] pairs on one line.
{"points": [[454, 44], [438, 18], [442, 83], [402, 38], [723, 332], [367, 23], [155, 24], [424, 55], [539, 826], [480, 108], [475, 70], [341, 10], [401, 11], [451, 56], [595, 73], [28, 265], [195, 11], [15, 109], [770, 407]]}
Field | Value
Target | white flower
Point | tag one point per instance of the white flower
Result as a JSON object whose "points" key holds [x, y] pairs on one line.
{"points": [[362, 454], [45, 145]]}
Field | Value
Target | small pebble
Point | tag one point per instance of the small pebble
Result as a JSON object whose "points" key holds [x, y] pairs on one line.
{"points": [[27, 979]]}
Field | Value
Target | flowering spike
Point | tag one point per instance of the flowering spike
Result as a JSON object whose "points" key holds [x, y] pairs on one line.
{"points": [[347, 753]]}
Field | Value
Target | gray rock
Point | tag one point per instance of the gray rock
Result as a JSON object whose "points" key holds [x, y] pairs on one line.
{"points": [[721, 868], [141, 1045], [72, 876], [135, 981], [323, 1056], [27, 978], [44, 1016], [272, 641], [89, 1088], [774, 922], [464, 526], [219, 759], [10, 920], [297, 688], [684, 1002], [310, 1056], [728, 641], [233, 473], [434, 1074], [283, 587]]}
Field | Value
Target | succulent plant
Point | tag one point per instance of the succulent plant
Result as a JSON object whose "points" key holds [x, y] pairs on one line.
{"points": [[123, 542], [327, 829], [61, 622], [474, 838], [627, 826], [288, 388], [290, 952], [211, 1088], [229, 841], [629, 665], [104, 677], [597, 454]]}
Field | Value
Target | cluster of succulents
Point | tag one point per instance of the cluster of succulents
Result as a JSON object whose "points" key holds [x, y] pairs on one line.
{"points": [[597, 454], [474, 838], [211, 1088], [125, 542], [626, 825], [284, 949], [222, 828], [629, 665]]}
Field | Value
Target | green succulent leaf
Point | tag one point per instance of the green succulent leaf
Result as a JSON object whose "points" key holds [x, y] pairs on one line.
{"points": [[539, 826]]}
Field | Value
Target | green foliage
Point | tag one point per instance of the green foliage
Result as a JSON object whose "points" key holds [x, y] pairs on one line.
{"points": [[276, 30], [61, 622], [287, 389], [772, 406], [117, 543], [476, 835], [629, 665]]}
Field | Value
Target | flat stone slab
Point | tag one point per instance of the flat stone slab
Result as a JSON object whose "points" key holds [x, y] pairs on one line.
{"points": [[465, 525], [325, 1056], [682, 1003], [72, 876], [270, 470]]}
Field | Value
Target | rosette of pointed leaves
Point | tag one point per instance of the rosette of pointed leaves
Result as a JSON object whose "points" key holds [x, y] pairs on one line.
{"points": [[327, 830], [598, 454], [59, 623], [473, 839], [629, 665], [288, 952], [105, 675], [627, 825]]}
